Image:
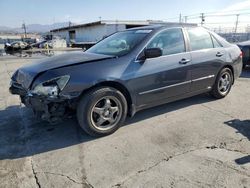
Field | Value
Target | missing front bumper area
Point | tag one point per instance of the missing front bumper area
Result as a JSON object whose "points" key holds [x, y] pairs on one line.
{"points": [[47, 110], [44, 107]]}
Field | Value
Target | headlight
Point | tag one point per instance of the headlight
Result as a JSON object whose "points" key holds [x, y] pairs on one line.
{"points": [[51, 87]]}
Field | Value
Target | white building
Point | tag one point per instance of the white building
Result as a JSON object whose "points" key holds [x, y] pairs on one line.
{"points": [[95, 31]]}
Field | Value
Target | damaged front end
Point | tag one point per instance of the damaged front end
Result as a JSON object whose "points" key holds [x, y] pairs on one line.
{"points": [[45, 84], [45, 99]]}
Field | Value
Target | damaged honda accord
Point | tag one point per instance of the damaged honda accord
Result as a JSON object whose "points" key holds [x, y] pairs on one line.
{"points": [[126, 72]]}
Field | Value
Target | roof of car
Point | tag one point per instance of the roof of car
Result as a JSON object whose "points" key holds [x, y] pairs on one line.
{"points": [[162, 26]]}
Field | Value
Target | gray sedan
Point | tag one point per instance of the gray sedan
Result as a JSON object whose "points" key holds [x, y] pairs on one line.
{"points": [[127, 72]]}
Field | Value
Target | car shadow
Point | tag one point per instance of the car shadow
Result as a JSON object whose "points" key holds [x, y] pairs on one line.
{"points": [[242, 127], [169, 107], [22, 135]]}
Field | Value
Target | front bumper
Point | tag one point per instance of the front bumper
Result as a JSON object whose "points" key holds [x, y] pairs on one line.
{"points": [[46, 108]]}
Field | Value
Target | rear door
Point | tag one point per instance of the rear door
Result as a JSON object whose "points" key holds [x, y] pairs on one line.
{"points": [[207, 57]]}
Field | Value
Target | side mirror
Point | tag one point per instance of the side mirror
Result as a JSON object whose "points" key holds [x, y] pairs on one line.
{"points": [[152, 53]]}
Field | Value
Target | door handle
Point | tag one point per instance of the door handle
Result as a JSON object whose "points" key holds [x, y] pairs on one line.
{"points": [[219, 54], [184, 61]]}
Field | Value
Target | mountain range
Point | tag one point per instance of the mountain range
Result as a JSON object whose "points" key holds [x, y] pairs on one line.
{"points": [[34, 28]]}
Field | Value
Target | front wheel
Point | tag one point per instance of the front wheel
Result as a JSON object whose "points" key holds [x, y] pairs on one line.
{"points": [[222, 84], [102, 111]]}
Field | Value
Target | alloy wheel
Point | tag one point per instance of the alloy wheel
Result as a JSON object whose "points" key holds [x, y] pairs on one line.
{"points": [[224, 83], [106, 113]]}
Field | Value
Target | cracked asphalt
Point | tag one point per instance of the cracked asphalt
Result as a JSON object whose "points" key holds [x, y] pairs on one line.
{"points": [[196, 142]]}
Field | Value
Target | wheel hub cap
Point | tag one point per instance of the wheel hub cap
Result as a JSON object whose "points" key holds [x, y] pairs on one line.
{"points": [[106, 113], [224, 83]]}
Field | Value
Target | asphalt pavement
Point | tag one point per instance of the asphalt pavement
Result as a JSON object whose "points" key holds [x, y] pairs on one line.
{"points": [[196, 142]]}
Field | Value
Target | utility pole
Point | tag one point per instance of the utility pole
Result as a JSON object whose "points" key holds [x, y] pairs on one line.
{"points": [[180, 18], [70, 23], [236, 23], [186, 18], [116, 25], [202, 18], [24, 28]]}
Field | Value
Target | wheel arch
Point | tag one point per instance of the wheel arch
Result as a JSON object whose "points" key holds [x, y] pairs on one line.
{"points": [[120, 87], [231, 68]]}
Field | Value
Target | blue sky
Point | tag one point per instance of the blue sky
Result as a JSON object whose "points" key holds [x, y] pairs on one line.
{"points": [[14, 12]]}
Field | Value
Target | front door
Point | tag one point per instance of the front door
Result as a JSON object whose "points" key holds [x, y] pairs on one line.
{"points": [[167, 76]]}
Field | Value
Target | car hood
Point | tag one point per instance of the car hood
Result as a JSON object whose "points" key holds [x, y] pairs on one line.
{"points": [[25, 75]]}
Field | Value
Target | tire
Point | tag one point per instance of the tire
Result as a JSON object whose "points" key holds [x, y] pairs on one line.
{"points": [[222, 88], [101, 111]]}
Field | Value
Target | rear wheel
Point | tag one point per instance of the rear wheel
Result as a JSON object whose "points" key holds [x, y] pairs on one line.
{"points": [[222, 84], [101, 111]]}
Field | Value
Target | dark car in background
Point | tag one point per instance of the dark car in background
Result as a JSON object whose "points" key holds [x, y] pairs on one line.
{"points": [[245, 48], [16, 46], [127, 72]]}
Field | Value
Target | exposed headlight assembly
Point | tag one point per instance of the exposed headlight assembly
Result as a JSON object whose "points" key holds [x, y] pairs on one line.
{"points": [[51, 87]]}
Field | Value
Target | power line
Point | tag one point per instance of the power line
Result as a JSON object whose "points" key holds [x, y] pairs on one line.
{"points": [[223, 15], [216, 14], [235, 11], [214, 23], [240, 11]]}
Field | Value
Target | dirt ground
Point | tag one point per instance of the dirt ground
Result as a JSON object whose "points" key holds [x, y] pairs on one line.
{"points": [[196, 142]]}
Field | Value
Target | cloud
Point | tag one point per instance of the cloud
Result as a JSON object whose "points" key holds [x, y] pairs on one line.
{"points": [[237, 6], [226, 17]]}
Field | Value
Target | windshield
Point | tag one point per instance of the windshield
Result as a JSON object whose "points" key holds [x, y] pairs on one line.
{"points": [[119, 43]]}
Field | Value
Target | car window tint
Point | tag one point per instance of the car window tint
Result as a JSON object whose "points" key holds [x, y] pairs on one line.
{"points": [[216, 43], [199, 39], [170, 41]]}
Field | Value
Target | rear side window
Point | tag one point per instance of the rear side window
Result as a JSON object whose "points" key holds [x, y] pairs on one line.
{"points": [[170, 41], [199, 39], [216, 43]]}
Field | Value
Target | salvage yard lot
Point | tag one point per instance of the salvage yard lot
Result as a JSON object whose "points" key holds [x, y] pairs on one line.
{"points": [[196, 142]]}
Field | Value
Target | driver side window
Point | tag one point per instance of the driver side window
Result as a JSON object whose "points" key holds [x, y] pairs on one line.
{"points": [[170, 42]]}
